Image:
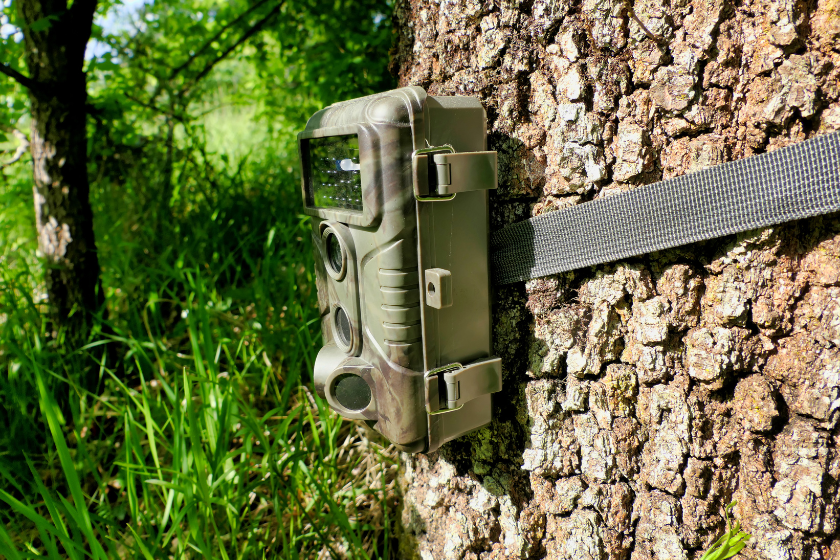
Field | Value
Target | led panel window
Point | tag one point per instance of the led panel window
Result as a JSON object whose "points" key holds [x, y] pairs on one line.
{"points": [[335, 179]]}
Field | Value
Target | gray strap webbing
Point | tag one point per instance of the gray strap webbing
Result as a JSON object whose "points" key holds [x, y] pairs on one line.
{"points": [[795, 182]]}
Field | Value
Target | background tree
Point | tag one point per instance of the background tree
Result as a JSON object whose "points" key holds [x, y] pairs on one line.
{"points": [[641, 397], [55, 37]]}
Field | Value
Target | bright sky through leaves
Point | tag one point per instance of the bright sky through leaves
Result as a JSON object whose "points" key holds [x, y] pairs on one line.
{"points": [[117, 19]]}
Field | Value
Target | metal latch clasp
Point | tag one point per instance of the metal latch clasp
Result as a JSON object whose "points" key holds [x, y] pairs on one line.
{"points": [[439, 173], [449, 387]]}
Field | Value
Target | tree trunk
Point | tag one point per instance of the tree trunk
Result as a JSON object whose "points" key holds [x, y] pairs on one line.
{"points": [[56, 38], [643, 396]]}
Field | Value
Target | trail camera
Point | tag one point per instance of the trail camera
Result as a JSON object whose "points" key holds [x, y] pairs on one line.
{"points": [[396, 185]]}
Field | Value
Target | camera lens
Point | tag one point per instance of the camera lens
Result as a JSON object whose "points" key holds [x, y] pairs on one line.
{"points": [[335, 256], [352, 392], [342, 327]]}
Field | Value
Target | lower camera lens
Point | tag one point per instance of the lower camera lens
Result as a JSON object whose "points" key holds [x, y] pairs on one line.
{"points": [[342, 327], [335, 255], [352, 392]]}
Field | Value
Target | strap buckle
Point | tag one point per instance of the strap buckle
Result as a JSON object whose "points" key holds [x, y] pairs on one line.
{"points": [[439, 173], [448, 388]]}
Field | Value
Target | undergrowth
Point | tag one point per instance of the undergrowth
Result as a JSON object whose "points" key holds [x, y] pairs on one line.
{"points": [[186, 427]]}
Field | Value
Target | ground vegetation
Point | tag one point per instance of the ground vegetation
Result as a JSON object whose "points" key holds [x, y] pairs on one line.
{"points": [[182, 424]]}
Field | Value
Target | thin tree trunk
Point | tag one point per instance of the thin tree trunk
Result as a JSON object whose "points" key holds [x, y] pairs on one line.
{"points": [[641, 397], [58, 95]]}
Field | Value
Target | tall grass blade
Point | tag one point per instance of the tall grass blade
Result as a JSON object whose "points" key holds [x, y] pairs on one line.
{"points": [[48, 408]]}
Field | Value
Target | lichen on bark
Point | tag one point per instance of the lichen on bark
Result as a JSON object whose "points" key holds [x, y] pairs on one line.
{"points": [[642, 396]]}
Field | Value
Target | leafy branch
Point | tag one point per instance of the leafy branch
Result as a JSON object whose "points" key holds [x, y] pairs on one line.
{"points": [[245, 36], [165, 82], [216, 37], [25, 81]]}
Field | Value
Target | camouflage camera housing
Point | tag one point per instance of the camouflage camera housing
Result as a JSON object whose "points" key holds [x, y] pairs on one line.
{"points": [[396, 185]]}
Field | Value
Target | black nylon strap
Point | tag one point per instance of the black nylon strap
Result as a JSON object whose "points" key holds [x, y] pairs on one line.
{"points": [[795, 182]]}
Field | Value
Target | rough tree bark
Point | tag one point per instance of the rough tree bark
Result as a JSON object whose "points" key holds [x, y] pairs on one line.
{"points": [[56, 37], [640, 397]]}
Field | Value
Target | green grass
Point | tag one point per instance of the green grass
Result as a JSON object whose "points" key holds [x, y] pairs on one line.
{"points": [[186, 428], [731, 542]]}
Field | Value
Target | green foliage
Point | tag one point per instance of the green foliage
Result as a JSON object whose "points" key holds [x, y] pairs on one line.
{"points": [[730, 543], [198, 435], [14, 102], [306, 55], [330, 50]]}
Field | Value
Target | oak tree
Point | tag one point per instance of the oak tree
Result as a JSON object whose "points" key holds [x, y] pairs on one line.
{"points": [[643, 396]]}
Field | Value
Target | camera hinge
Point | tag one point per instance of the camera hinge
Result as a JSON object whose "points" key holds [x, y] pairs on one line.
{"points": [[439, 173], [449, 387]]}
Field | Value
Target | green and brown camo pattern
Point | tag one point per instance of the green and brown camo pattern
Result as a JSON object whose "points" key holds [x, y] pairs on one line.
{"points": [[381, 251]]}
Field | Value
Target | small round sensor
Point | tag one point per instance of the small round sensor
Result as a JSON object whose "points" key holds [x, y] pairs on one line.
{"points": [[335, 254], [341, 323]]}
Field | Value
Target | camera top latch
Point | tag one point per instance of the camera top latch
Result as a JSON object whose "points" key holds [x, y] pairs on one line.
{"points": [[439, 173]]}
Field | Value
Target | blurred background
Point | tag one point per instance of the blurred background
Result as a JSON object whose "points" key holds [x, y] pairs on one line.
{"points": [[180, 423]]}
